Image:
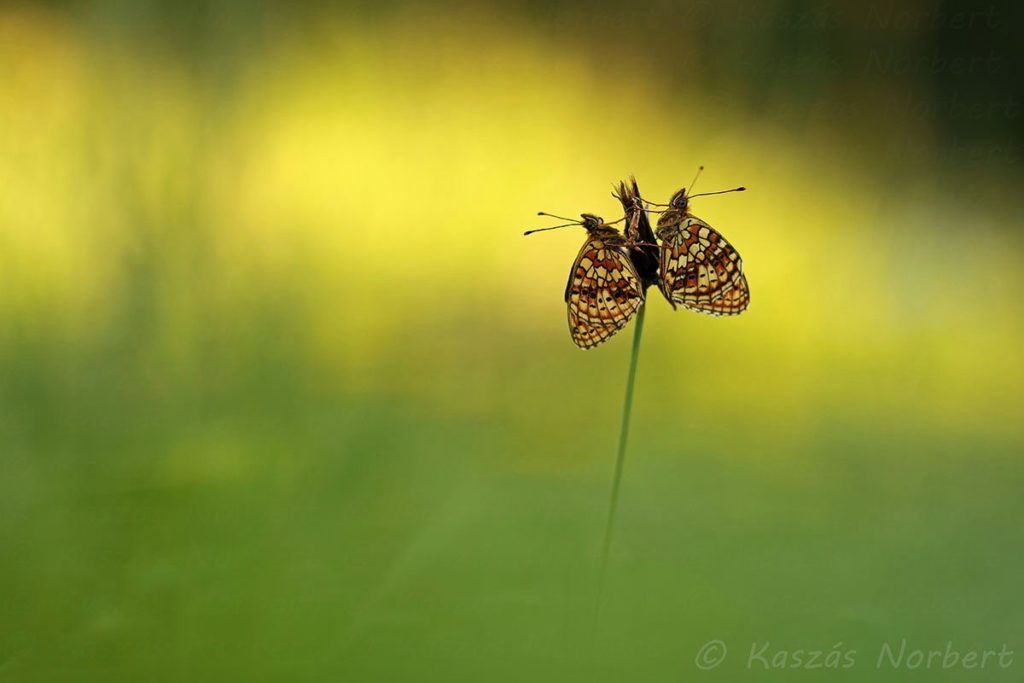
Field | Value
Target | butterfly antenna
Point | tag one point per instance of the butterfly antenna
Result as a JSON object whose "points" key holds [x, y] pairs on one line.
{"points": [[553, 227], [705, 194], [650, 203], [561, 218], [694, 181]]}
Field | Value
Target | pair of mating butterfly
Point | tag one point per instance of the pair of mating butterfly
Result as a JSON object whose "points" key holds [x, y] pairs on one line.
{"points": [[693, 266]]}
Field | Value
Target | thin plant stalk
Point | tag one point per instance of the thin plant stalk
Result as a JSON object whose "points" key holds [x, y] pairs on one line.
{"points": [[627, 410]]}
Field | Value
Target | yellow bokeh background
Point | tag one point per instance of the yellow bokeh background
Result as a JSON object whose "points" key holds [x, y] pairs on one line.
{"points": [[390, 187]]}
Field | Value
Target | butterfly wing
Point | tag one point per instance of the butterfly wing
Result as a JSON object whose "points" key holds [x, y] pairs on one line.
{"points": [[700, 270], [603, 293]]}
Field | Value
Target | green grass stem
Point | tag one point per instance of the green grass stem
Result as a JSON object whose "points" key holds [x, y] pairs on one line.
{"points": [[627, 410]]}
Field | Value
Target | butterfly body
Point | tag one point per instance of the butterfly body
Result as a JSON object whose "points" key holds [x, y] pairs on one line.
{"points": [[699, 269], [604, 290]]}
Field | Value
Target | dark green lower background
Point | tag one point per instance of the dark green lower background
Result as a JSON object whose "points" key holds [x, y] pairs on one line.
{"points": [[259, 524]]}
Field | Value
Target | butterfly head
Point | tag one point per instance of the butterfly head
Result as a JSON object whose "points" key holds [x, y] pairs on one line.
{"points": [[676, 210], [679, 205], [594, 225], [680, 201]]}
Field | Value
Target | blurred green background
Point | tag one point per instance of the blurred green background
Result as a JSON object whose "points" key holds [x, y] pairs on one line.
{"points": [[286, 395]]}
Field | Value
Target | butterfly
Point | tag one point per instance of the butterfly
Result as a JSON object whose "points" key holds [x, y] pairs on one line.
{"points": [[698, 268], [604, 290]]}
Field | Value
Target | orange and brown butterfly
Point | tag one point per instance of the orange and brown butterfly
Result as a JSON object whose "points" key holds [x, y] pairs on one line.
{"points": [[604, 290], [699, 269]]}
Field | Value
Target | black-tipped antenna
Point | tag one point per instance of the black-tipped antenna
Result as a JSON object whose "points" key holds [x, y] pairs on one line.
{"points": [[694, 181], [705, 194], [561, 218], [553, 227]]}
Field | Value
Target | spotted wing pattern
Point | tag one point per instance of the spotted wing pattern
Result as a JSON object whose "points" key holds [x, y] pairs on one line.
{"points": [[603, 293], [701, 270]]}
